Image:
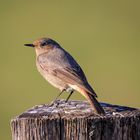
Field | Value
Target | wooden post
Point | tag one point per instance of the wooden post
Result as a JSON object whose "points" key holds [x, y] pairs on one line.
{"points": [[76, 120]]}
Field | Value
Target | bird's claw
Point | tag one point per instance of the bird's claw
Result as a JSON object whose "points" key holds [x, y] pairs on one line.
{"points": [[54, 103]]}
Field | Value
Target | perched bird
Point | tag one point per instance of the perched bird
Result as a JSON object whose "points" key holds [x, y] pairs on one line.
{"points": [[60, 69]]}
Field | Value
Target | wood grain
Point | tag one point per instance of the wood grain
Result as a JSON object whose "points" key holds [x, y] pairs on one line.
{"points": [[76, 120]]}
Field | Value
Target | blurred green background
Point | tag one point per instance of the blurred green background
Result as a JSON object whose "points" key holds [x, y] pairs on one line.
{"points": [[103, 36]]}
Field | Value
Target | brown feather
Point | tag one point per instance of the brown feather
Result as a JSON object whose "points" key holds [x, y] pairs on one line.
{"points": [[71, 78]]}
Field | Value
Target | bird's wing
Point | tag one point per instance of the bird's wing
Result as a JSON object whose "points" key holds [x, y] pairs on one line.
{"points": [[66, 68], [70, 77]]}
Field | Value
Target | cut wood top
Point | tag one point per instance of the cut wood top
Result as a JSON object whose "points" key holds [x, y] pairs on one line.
{"points": [[77, 109]]}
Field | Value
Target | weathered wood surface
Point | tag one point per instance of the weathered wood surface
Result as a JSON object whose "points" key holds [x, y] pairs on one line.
{"points": [[76, 120]]}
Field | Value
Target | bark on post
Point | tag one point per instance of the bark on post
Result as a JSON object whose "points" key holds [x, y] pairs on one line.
{"points": [[76, 120]]}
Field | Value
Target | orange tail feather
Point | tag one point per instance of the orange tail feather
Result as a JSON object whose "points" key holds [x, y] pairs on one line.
{"points": [[93, 101]]}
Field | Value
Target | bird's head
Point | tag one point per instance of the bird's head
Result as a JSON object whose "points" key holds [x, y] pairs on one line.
{"points": [[43, 45]]}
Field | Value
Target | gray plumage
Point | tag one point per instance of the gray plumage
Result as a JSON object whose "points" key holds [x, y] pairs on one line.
{"points": [[60, 69], [61, 66]]}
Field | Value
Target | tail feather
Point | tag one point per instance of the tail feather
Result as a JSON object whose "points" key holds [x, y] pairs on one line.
{"points": [[95, 104], [91, 98], [93, 101]]}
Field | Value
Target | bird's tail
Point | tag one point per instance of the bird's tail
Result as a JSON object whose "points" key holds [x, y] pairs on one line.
{"points": [[93, 101]]}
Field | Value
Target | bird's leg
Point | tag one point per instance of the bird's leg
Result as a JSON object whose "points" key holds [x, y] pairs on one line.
{"points": [[59, 95], [52, 103], [69, 96]]}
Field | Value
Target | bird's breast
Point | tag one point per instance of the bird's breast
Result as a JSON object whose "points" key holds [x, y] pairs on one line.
{"points": [[50, 77]]}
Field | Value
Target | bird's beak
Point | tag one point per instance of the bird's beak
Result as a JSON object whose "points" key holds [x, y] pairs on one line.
{"points": [[29, 45]]}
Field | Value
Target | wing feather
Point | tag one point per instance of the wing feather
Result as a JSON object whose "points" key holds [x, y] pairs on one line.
{"points": [[73, 79], [65, 68]]}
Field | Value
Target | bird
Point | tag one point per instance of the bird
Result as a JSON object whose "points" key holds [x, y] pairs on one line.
{"points": [[62, 71]]}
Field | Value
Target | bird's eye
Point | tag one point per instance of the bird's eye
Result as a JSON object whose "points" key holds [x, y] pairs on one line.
{"points": [[43, 44]]}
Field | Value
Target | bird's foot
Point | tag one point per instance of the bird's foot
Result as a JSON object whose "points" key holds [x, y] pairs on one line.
{"points": [[66, 101], [54, 103]]}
